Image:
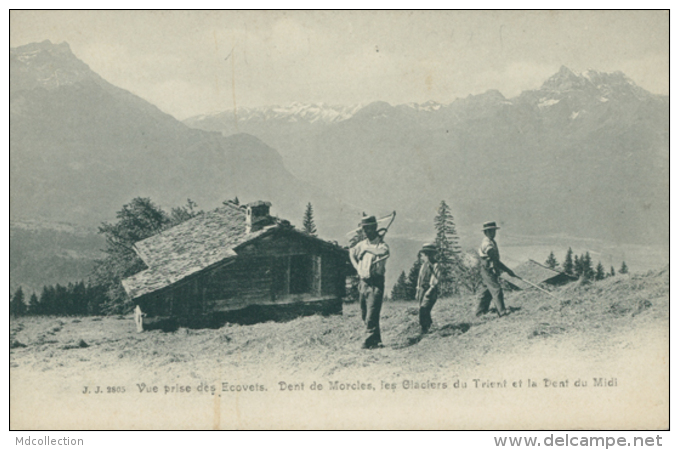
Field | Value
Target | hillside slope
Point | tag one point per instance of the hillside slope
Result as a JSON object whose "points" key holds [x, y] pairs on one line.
{"points": [[616, 329]]}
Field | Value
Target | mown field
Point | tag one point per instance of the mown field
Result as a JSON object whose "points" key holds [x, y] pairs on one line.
{"points": [[615, 328]]}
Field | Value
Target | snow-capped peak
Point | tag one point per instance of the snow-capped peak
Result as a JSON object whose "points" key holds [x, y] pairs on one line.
{"points": [[601, 86], [298, 112], [426, 106]]}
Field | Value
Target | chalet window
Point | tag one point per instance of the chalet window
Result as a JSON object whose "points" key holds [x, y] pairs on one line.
{"points": [[296, 275]]}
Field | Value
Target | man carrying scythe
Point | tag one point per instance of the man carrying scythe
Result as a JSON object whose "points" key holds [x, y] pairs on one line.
{"points": [[369, 258]]}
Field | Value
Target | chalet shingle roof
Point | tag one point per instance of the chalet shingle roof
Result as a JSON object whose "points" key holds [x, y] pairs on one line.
{"points": [[195, 245], [188, 248], [534, 272]]}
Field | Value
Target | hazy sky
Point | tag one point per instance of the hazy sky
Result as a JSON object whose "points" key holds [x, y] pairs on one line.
{"points": [[189, 63]]}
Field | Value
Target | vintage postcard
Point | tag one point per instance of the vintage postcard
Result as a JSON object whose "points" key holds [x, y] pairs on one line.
{"points": [[339, 220]]}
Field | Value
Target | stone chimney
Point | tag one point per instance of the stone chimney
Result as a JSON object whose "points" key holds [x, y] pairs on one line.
{"points": [[257, 216]]}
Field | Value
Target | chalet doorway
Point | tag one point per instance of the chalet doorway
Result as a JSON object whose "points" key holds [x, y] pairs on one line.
{"points": [[300, 274], [297, 275]]}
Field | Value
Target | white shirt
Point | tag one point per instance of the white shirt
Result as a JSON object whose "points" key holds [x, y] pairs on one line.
{"points": [[365, 264]]}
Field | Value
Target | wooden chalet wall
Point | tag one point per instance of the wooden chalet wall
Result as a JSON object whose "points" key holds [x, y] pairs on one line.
{"points": [[282, 268]]}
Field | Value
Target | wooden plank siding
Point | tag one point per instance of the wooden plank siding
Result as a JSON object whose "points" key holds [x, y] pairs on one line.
{"points": [[274, 270]]}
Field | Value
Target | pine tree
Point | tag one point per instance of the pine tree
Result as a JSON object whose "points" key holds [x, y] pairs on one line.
{"points": [[17, 307], [568, 266], [79, 299], [623, 268], [551, 261], [577, 266], [448, 249], [399, 291], [32, 304], [47, 300], [96, 298], [612, 272], [586, 262], [60, 305], [600, 272], [308, 222], [446, 233]]}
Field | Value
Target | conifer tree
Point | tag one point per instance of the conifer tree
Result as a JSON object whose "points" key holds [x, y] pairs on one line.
{"points": [[577, 266], [600, 272], [448, 249], [96, 298], [47, 300], [551, 261], [612, 272], [80, 299], [32, 304], [399, 291], [17, 307], [586, 262], [568, 266], [623, 268], [308, 222]]}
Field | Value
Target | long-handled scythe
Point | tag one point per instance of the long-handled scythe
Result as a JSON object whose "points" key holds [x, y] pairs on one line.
{"points": [[383, 230], [537, 287]]}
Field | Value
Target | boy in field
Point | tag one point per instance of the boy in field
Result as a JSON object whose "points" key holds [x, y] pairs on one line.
{"points": [[427, 285]]}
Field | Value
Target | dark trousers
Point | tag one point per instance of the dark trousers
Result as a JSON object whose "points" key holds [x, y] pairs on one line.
{"points": [[370, 294], [427, 303], [492, 291]]}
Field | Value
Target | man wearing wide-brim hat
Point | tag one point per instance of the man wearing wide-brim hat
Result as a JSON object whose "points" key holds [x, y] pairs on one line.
{"points": [[369, 259], [491, 269], [427, 285]]}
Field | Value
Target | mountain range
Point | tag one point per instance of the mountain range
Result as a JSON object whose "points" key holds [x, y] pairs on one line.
{"points": [[81, 148], [584, 156]]}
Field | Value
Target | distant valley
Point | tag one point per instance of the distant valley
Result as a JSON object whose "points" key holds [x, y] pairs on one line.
{"points": [[45, 253]]}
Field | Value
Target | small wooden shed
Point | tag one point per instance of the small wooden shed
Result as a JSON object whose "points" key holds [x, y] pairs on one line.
{"points": [[536, 273], [237, 263]]}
